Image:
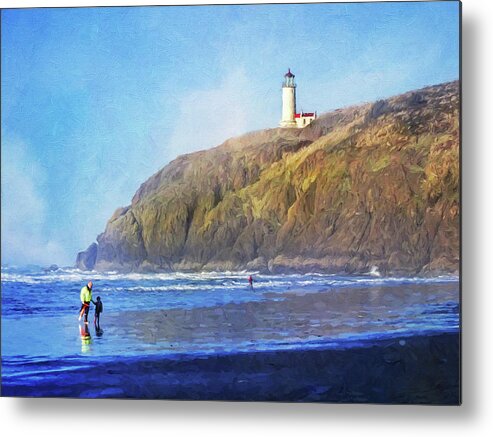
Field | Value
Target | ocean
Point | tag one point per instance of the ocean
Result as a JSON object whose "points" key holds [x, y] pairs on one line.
{"points": [[199, 335]]}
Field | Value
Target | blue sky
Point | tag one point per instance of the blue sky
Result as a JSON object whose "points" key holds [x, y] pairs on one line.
{"points": [[96, 100]]}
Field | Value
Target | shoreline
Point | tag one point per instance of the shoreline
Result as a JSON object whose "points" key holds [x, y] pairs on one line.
{"points": [[242, 270], [227, 267], [420, 369]]}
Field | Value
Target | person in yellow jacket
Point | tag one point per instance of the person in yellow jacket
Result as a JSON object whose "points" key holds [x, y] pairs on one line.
{"points": [[86, 299]]}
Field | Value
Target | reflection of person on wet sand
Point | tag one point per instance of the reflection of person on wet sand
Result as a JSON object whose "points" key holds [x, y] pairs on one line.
{"points": [[85, 336]]}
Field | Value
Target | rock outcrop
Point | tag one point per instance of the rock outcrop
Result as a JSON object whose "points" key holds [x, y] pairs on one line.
{"points": [[369, 186], [87, 259]]}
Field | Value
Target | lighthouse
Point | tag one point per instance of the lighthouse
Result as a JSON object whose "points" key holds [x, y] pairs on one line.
{"points": [[288, 100], [289, 117]]}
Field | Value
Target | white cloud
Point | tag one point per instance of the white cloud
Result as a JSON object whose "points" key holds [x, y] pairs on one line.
{"points": [[208, 117], [24, 230]]}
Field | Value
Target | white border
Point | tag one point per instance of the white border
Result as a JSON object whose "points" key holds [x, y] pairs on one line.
{"points": [[60, 417]]}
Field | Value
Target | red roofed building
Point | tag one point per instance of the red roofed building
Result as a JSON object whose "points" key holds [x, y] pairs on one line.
{"points": [[304, 118]]}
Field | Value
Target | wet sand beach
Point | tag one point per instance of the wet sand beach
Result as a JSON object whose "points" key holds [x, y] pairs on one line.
{"points": [[292, 318], [390, 341]]}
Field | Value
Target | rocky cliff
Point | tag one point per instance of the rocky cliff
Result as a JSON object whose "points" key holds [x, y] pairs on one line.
{"points": [[369, 185]]}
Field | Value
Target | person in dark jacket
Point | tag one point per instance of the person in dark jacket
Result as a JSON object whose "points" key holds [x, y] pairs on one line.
{"points": [[97, 312]]}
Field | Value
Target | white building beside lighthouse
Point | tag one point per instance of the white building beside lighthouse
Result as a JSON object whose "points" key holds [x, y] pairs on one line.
{"points": [[289, 117]]}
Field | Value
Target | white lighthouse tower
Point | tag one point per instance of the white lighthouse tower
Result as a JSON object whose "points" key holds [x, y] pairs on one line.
{"points": [[288, 101], [290, 118]]}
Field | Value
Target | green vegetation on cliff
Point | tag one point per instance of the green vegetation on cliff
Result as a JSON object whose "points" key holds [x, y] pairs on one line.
{"points": [[370, 185]]}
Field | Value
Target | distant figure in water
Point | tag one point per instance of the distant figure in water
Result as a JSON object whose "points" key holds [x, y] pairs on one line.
{"points": [[250, 281], [97, 312], [86, 299]]}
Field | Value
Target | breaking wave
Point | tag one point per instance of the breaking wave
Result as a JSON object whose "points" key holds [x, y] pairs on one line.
{"points": [[208, 280]]}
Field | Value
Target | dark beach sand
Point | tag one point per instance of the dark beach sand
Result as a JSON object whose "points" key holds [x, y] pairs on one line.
{"points": [[405, 370]]}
